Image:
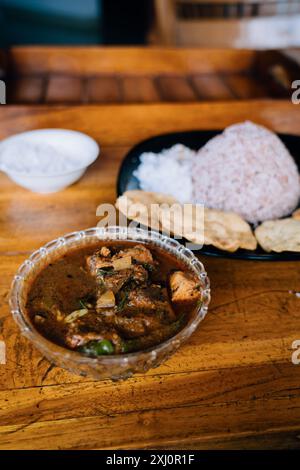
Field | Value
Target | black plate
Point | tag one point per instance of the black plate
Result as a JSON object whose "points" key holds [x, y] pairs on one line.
{"points": [[195, 140]]}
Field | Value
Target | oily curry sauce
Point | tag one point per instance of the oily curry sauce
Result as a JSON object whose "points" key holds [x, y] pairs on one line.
{"points": [[113, 298]]}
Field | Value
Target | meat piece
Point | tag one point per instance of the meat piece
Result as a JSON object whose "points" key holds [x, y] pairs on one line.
{"points": [[97, 261], [152, 300], [110, 274], [139, 253], [144, 299], [84, 329], [139, 274], [185, 289], [115, 280], [131, 327], [92, 327], [134, 327], [76, 339]]}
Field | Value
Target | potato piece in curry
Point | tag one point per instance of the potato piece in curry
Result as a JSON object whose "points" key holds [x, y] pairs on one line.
{"points": [[113, 298]]}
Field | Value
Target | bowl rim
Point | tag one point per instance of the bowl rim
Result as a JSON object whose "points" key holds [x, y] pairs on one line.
{"points": [[96, 151], [43, 344]]}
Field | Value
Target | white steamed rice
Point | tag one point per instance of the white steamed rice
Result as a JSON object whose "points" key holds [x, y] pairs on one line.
{"points": [[168, 172]]}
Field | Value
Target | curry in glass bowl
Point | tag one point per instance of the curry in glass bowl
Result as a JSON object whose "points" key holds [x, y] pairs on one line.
{"points": [[118, 297]]}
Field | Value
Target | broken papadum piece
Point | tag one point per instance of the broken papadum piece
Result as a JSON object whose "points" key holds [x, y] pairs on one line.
{"points": [[143, 206], [279, 235], [225, 230]]}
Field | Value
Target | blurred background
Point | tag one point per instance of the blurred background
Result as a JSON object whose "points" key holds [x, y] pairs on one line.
{"points": [[196, 50], [74, 21], [215, 23]]}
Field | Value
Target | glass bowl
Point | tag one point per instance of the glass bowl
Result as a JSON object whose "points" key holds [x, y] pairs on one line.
{"points": [[105, 367]]}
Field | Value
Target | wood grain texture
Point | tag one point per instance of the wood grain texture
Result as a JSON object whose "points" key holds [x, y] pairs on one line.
{"points": [[103, 89], [176, 89], [135, 60], [29, 90], [139, 90], [245, 86], [231, 386], [64, 89], [212, 87]]}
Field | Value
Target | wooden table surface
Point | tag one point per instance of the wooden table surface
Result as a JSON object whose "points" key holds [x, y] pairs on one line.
{"points": [[233, 385]]}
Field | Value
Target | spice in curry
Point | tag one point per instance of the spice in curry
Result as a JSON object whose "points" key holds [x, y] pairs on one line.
{"points": [[113, 298]]}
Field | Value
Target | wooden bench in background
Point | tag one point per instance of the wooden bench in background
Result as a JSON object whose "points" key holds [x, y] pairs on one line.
{"points": [[66, 75]]}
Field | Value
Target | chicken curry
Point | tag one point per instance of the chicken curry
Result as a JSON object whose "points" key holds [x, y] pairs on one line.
{"points": [[113, 298]]}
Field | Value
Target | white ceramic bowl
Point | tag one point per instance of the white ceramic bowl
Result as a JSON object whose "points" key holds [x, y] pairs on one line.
{"points": [[83, 147]]}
